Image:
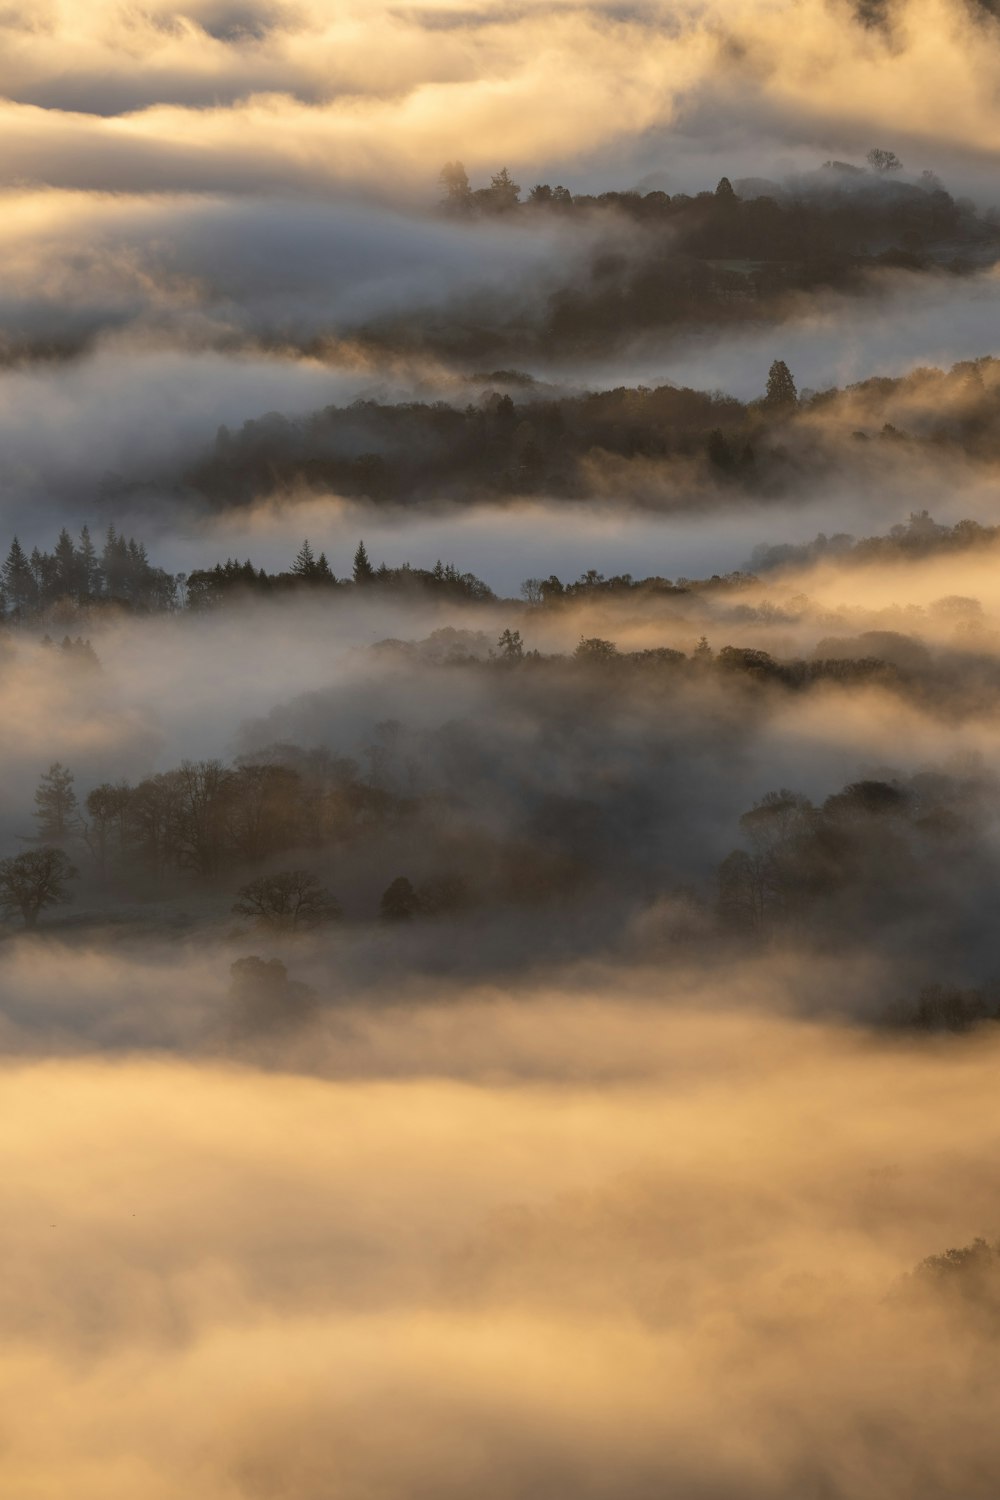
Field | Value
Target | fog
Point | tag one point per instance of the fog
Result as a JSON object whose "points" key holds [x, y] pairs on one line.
{"points": [[499, 709], [689, 1274]]}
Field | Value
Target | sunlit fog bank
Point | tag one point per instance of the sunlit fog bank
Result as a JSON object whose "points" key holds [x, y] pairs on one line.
{"points": [[692, 1276], [500, 728]]}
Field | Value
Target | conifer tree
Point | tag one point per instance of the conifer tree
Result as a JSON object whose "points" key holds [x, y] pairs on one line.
{"points": [[66, 563], [88, 567], [18, 579], [363, 570], [780, 386], [305, 564]]}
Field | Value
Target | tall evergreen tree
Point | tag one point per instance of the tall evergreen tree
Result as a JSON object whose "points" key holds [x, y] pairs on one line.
{"points": [[18, 579], [363, 570], [67, 565], [88, 567], [305, 564], [780, 386]]}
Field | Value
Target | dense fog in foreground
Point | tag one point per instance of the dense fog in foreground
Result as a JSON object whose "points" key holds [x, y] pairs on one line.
{"points": [[500, 718]]}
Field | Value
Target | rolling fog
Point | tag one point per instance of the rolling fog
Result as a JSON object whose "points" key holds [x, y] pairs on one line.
{"points": [[614, 1116]]}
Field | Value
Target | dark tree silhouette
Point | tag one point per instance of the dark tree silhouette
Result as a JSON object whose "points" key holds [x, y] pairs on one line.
{"points": [[399, 901], [510, 646], [881, 160], [781, 390], [19, 583], [32, 881], [363, 570], [289, 900]]}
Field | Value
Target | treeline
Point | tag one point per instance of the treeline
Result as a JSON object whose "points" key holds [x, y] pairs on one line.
{"points": [[920, 536], [730, 256], [877, 855], [628, 440], [120, 573], [206, 588], [40, 585], [204, 817]]}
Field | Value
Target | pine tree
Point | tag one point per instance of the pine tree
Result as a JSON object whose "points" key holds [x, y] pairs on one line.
{"points": [[305, 563], [115, 564], [18, 579], [780, 386], [55, 804], [363, 570], [67, 564], [88, 567], [323, 570], [724, 191]]}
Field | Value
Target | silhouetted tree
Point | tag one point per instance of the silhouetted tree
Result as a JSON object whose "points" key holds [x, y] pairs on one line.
{"points": [[363, 570], [34, 880], [881, 160], [399, 901], [781, 390], [19, 583], [510, 646], [504, 192], [289, 900], [306, 564]]}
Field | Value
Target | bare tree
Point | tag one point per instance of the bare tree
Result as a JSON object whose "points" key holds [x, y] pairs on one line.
{"points": [[290, 900], [881, 160]]}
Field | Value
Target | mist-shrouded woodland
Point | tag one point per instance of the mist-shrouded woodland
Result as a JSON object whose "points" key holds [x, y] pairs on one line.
{"points": [[500, 725]]}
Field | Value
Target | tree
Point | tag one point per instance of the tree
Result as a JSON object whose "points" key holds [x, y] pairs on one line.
{"points": [[363, 570], [595, 649], [457, 192], [781, 390], [399, 901], [264, 995], [108, 808], [290, 900], [724, 192], [55, 804], [67, 564], [18, 580], [881, 160], [504, 192], [510, 645], [305, 564], [32, 881], [88, 567]]}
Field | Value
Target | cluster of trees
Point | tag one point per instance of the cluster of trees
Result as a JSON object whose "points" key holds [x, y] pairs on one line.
{"points": [[919, 536], [726, 255], [146, 588], [866, 856], [120, 573], [209, 587], [205, 817], [575, 446]]}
